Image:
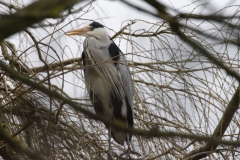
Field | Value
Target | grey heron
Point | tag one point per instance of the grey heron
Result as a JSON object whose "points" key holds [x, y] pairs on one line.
{"points": [[108, 80]]}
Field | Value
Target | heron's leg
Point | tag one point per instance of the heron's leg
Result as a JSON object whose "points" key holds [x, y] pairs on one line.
{"points": [[129, 151], [109, 144], [128, 143], [109, 139]]}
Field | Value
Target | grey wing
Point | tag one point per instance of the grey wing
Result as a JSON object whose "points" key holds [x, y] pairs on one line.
{"points": [[118, 56], [103, 77], [127, 80]]}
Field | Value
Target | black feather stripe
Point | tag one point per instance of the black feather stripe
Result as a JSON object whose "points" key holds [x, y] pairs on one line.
{"points": [[114, 52], [129, 118], [96, 25], [83, 59]]}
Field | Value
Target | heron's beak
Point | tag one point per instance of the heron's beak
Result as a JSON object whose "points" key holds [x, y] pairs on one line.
{"points": [[79, 32]]}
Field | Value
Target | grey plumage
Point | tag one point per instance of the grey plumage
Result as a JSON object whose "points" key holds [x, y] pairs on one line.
{"points": [[105, 78], [108, 79]]}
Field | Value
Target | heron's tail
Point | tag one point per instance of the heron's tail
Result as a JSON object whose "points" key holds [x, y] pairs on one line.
{"points": [[118, 136]]}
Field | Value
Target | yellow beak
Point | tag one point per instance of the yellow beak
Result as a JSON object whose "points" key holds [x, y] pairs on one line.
{"points": [[79, 32]]}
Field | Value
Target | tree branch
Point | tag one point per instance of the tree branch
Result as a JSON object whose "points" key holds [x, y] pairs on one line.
{"points": [[35, 12]]}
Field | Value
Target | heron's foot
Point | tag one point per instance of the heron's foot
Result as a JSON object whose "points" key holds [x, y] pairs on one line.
{"points": [[128, 152]]}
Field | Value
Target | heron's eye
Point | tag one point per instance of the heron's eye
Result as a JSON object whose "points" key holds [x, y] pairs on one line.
{"points": [[92, 28]]}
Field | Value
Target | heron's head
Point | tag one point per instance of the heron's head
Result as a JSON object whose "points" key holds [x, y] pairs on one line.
{"points": [[91, 29]]}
